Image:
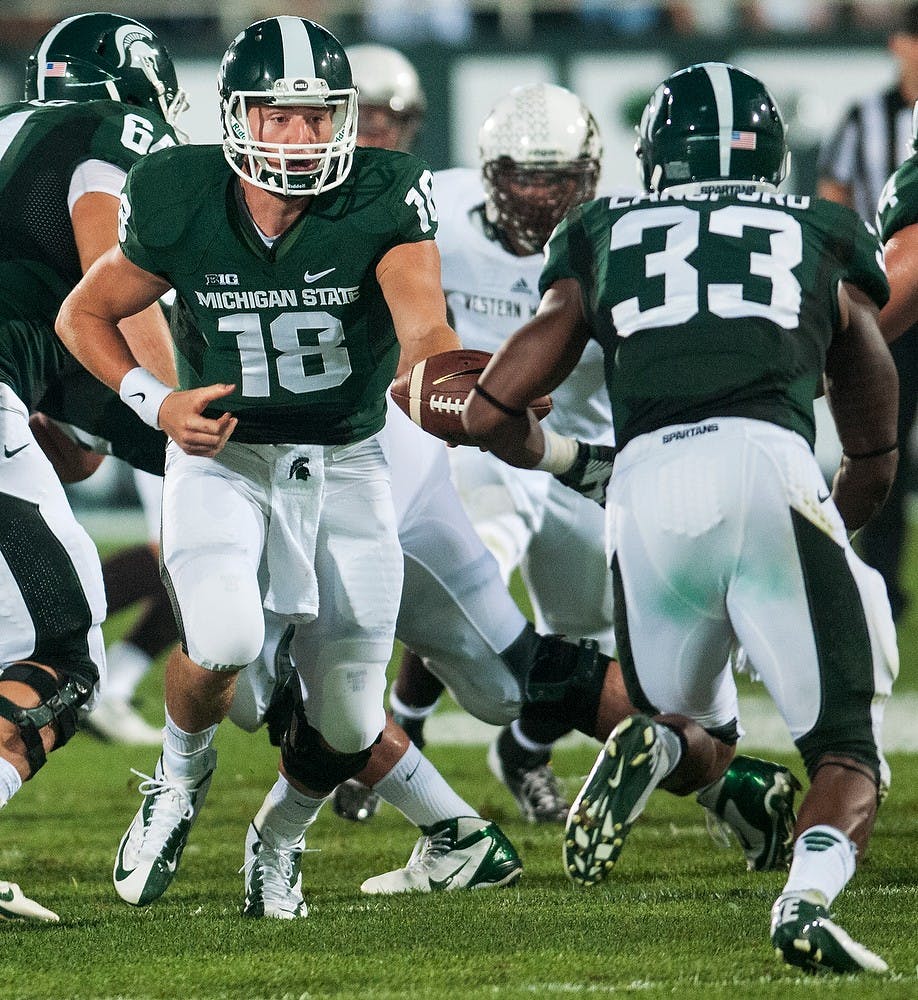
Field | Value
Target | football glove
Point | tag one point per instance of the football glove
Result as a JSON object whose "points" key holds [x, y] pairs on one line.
{"points": [[591, 471]]}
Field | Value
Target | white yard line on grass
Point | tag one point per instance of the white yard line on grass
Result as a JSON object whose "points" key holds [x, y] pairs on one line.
{"points": [[764, 728]]}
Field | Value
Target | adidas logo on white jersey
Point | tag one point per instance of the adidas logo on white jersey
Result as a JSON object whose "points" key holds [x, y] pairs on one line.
{"points": [[520, 285]]}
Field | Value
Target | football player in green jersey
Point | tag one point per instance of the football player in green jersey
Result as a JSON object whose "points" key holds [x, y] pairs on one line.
{"points": [[721, 306], [100, 93], [897, 223], [305, 273]]}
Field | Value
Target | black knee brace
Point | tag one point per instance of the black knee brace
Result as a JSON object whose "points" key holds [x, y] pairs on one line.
{"points": [[561, 681], [60, 701], [307, 759], [560, 665]]}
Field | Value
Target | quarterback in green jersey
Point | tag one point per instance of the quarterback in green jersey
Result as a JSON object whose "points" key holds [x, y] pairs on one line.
{"points": [[306, 273], [721, 306], [101, 93]]}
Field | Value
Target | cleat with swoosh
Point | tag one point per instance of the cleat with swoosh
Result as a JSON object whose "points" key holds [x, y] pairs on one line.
{"points": [[151, 849], [16, 905], [463, 853], [629, 767]]}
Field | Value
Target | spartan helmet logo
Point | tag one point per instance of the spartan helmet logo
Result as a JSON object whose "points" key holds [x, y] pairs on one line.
{"points": [[299, 469], [134, 49]]}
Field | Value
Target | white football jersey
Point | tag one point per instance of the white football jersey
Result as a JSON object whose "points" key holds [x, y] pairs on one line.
{"points": [[490, 293]]}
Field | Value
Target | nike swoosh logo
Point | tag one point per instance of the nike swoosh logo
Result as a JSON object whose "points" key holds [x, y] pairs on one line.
{"points": [[437, 885], [7, 897], [138, 395], [822, 499], [310, 278], [9, 454], [474, 855], [413, 772], [617, 780]]}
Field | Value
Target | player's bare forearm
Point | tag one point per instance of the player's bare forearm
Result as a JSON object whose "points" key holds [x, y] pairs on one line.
{"points": [[530, 363], [424, 344], [862, 389], [87, 323]]}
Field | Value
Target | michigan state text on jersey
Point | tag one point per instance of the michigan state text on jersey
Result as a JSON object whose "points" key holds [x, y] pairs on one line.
{"points": [[301, 327]]}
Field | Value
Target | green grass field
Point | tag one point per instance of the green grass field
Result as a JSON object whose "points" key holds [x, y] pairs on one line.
{"points": [[679, 917]]}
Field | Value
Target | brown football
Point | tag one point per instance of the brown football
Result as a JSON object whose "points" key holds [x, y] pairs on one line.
{"points": [[434, 391]]}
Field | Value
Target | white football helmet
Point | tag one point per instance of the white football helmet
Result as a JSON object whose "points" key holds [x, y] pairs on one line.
{"points": [[539, 150], [389, 94]]}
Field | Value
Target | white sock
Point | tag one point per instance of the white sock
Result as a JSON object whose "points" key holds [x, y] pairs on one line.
{"points": [[186, 756], [127, 665], [286, 814], [409, 711], [10, 782], [824, 860], [419, 792]]}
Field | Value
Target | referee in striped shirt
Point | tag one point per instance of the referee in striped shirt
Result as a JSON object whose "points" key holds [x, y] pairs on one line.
{"points": [[873, 139]]}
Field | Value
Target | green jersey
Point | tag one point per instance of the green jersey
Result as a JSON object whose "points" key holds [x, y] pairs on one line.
{"points": [[898, 205], [713, 304], [41, 145], [300, 327], [77, 398]]}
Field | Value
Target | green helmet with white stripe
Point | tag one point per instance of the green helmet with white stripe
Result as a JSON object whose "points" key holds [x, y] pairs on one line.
{"points": [[711, 122], [291, 62], [107, 57]]}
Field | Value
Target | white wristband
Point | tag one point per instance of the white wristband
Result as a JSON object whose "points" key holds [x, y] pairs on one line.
{"points": [[560, 453], [144, 394]]}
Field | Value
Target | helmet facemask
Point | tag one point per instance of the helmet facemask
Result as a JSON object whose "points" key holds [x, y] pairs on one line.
{"points": [[527, 202], [540, 151], [276, 167]]}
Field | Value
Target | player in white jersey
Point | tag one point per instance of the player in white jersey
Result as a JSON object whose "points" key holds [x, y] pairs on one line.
{"points": [[539, 152]]}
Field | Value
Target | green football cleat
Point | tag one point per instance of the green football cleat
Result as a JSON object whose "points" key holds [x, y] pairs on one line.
{"points": [[273, 882], [463, 853], [629, 767], [754, 801], [16, 905], [151, 848], [804, 935]]}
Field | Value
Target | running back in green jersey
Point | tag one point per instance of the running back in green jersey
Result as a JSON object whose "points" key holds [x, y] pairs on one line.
{"points": [[898, 206], [713, 304], [300, 328], [41, 144]]}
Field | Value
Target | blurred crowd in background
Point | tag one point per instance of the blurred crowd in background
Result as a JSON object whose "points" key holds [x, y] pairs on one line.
{"points": [[459, 22]]}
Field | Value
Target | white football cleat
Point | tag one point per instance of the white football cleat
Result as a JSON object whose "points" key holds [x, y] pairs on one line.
{"points": [[463, 853], [273, 882], [15, 905], [151, 848], [116, 720]]}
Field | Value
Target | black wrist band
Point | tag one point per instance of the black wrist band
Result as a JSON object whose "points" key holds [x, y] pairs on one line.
{"points": [[488, 398], [871, 454]]}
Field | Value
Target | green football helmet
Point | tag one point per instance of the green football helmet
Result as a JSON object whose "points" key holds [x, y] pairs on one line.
{"points": [[99, 56], [711, 122], [292, 62]]}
